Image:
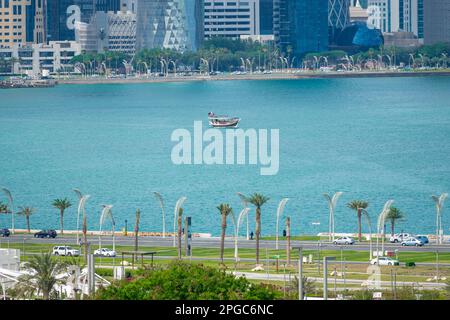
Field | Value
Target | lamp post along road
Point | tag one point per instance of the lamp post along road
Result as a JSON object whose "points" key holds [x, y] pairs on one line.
{"points": [[325, 276], [161, 204], [107, 213], [280, 210], [178, 205], [245, 204], [300, 272], [332, 205], [11, 204], [439, 202], [237, 224], [381, 226]]}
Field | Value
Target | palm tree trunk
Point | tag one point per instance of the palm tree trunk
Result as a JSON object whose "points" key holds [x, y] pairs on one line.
{"points": [[258, 232], [392, 227], [222, 237], [179, 237], [62, 220], [359, 226], [28, 223], [288, 243]]}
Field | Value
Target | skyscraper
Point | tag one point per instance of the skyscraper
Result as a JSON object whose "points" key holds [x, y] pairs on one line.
{"points": [[265, 17], [301, 25], [338, 17], [107, 5], [172, 24], [436, 21], [13, 22]]}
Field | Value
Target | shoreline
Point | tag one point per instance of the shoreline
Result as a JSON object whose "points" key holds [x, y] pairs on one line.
{"points": [[276, 76]]}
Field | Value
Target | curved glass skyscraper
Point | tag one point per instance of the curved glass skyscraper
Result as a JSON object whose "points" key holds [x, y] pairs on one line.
{"points": [[171, 24]]}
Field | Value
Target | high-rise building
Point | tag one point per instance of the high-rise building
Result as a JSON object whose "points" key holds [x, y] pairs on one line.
{"points": [[107, 5], [231, 18], [436, 20], [265, 17], [412, 17], [62, 15], [385, 14], [128, 5], [338, 17], [301, 25], [13, 20], [172, 24]]}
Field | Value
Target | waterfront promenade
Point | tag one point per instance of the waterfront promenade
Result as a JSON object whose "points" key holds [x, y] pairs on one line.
{"points": [[251, 76]]}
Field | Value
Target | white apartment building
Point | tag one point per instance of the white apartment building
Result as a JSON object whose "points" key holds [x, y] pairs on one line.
{"points": [[384, 14], [33, 59], [231, 18]]}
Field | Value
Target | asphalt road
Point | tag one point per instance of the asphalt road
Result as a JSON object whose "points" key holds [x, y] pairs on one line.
{"points": [[229, 243]]}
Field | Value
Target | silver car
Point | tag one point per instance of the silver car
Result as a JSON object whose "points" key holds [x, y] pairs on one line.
{"points": [[344, 240]]}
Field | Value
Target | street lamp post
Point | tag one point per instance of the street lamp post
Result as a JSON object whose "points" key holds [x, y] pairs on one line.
{"points": [[332, 205], [366, 214], [381, 226], [300, 273], [178, 205], [439, 202], [325, 276], [280, 210], [161, 204], [107, 213], [237, 224], [11, 203], [82, 199], [245, 204]]}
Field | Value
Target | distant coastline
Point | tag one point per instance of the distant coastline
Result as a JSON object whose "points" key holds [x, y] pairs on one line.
{"points": [[274, 76]]}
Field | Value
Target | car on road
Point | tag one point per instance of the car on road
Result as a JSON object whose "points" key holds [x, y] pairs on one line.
{"points": [[384, 261], [65, 251], [4, 232], [411, 241], [398, 237], [344, 240], [105, 252], [46, 234], [424, 239]]}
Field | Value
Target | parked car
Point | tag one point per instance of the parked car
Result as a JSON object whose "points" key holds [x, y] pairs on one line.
{"points": [[46, 234], [398, 237], [411, 241], [344, 240], [4, 233], [105, 252], [65, 251], [424, 239], [384, 261]]}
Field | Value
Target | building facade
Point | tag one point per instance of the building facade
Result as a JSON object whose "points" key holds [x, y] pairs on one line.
{"points": [[385, 14], [301, 25], [35, 58], [231, 18], [171, 24], [112, 31], [266, 17], [436, 19], [13, 20], [338, 17]]}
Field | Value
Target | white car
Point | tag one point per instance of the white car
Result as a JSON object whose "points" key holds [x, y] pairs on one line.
{"points": [[105, 252], [344, 240], [65, 251], [398, 237], [384, 261]]}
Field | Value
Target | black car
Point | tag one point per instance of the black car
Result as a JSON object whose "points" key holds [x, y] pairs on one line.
{"points": [[45, 234], [4, 232]]}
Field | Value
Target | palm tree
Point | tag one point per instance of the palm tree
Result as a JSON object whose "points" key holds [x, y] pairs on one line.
{"points": [[27, 212], [4, 208], [136, 230], [258, 200], [394, 215], [62, 205], [42, 276], [180, 214], [358, 206], [225, 210]]}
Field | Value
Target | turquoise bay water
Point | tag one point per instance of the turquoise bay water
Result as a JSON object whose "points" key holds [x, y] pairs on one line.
{"points": [[374, 139]]}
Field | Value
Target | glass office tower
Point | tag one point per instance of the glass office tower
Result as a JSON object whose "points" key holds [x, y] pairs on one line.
{"points": [[172, 24], [338, 17], [266, 16], [301, 25]]}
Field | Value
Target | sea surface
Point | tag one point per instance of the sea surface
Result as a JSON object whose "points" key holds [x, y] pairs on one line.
{"points": [[373, 139]]}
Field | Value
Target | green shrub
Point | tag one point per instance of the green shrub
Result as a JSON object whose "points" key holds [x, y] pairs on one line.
{"points": [[184, 281]]}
